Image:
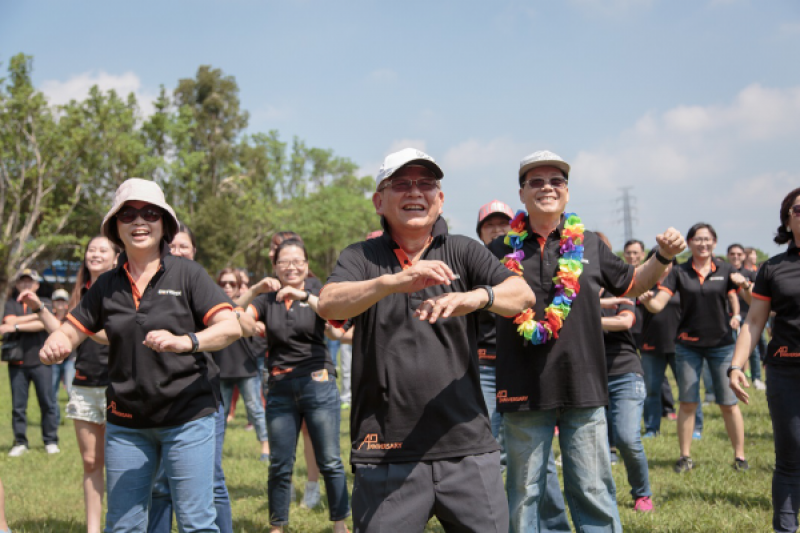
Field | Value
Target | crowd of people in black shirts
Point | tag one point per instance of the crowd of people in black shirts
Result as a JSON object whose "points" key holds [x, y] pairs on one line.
{"points": [[468, 357]]}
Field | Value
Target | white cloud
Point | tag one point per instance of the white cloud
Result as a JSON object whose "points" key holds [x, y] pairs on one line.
{"points": [[729, 164], [77, 88]]}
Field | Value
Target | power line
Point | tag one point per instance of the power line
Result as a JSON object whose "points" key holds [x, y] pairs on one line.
{"points": [[627, 211]]}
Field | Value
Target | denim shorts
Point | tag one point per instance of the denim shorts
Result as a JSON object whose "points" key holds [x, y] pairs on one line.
{"points": [[689, 364], [87, 404]]}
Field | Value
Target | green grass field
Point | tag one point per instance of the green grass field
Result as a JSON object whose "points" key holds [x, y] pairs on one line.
{"points": [[43, 493]]}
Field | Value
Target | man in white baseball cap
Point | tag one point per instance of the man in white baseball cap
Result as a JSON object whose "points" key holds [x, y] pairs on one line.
{"points": [[421, 439]]}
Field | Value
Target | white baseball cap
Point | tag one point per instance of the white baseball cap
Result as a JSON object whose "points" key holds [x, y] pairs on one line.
{"points": [[406, 156], [540, 159]]}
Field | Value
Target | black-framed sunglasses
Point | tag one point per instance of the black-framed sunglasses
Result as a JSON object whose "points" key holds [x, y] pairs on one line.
{"points": [[795, 210], [149, 213], [538, 183], [228, 284]]}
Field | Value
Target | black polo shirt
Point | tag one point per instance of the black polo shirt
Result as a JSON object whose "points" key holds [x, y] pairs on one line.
{"points": [[296, 344], [32, 342], [744, 307], [778, 282], [91, 361], [705, 321], [621, 354], [569, 371], [236, 361], [660, 329], [416, 385], [150, 389]]}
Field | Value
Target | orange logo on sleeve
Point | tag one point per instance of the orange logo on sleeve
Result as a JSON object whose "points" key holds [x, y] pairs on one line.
{"points": [[685, 337], [648, 347], [783, 351]]}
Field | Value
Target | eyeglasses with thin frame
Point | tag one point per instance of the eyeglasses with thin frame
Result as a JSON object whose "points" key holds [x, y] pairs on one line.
{"points": [[149, 213], [795, 210], [285, 263], [405, 185], [538, 183], [702, 240]]}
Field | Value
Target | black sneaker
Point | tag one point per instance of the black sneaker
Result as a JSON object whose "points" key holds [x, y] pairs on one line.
{"points": [[684, 464], [740, 464]]}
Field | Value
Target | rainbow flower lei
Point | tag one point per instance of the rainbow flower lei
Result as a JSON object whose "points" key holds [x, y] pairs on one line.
{"points": [[570, 268]]}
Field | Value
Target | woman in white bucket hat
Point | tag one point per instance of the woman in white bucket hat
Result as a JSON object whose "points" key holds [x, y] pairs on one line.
{"points": [[162, 314]]}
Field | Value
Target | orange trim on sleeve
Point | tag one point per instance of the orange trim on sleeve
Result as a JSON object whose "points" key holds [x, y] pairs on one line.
{"points": [[762, 298], [663, 288], [733, 291], [631, 285], [626, 311], [214, 310], [74, 321], [253, 309]]}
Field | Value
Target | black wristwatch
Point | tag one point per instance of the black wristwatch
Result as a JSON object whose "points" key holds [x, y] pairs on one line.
{"points": [[195, 342], [661, 259], [731, 369], [308, 295], [490, 292]]}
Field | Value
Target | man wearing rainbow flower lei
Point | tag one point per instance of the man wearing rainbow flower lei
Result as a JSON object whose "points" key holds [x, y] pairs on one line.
{"points": [[551, 367]]}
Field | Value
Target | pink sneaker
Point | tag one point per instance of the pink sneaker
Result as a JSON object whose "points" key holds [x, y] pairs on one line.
{"points": [[643, 504]]}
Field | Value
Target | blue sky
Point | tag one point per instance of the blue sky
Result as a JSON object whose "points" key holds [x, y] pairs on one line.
{"points": [[694, 104]]}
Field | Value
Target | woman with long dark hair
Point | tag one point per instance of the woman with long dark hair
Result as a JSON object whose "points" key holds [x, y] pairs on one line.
{"points": [[87, 402], [777, 289], [707, 288]]}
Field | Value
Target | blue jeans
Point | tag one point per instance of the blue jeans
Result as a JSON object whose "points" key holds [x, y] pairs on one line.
{"points": [[588, 483], [626, 394], [250, 389], [289, 403], [783, 397], [66, 370], [655, 367], [689, 363], [132, 460], [333, 349], [489, 390], [160, 519]]}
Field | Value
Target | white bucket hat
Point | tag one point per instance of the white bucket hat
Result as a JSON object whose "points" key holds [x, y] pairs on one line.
{"points": [[134, 189], [406, 156], [540, 159]]}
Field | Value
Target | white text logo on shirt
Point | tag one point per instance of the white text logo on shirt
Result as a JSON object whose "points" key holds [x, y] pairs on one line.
{"points": [[716, 278], [169, 292]]}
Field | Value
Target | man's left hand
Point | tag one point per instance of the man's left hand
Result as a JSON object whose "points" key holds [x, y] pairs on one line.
{"points": [[450, 304], [671, 243]]}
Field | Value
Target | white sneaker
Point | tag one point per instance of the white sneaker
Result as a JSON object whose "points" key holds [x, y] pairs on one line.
{"points": [[311, 497], [760, 385], [52, 448], [18, 450]]}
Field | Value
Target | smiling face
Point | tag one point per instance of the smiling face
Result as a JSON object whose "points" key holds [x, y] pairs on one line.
{"points": [[546, 200], [140, 235], [291, 266], [702, 244], [412, 210], [494, 226], [100, 256], [633, 254], [736, 257], [181, 246]]}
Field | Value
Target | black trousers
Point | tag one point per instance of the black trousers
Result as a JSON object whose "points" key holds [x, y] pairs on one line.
{"points": [[783, 398], [466, 494], [42, 378]]}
